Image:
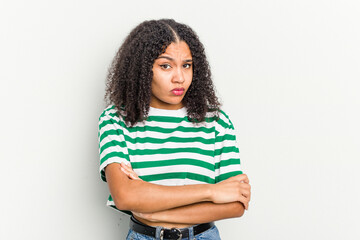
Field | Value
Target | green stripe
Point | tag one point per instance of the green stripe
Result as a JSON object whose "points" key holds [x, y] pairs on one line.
{"points": [[157, 140], [106, 122], [178, 175], [113, 143], [225, 176], [170, 139], [108, 133], [225, 137], [173, 162], [223, 123], [226, 150], [171, 130], [171, 150], [114, 154], [105, 112], [167, 119], [103, 177], [224, 163], [225, 115]]}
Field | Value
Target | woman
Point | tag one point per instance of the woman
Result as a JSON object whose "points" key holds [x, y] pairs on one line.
{"points": [[167, 151]]}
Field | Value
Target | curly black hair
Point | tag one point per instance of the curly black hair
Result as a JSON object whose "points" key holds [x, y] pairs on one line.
{"points": [[128, 84]]}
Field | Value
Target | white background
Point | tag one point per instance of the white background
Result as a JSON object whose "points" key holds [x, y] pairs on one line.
{"points": [[287, 73]]}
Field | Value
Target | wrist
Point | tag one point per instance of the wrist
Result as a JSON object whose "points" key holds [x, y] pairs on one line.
{"points": [[158, 216], [210, 192]]}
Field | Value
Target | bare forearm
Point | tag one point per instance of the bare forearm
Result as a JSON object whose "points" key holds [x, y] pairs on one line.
{"points": [[198, 213], [147, 197], [140, 196]]}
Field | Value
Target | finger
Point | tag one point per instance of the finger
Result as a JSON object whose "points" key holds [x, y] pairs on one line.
{"points": [[246, 205], [134, 176], [131, 175], [245, 202], [241, 177], [127, 166], [245, 178], [129, 171], [245, 190], [246, 195], [245, 186], [125, 171]]}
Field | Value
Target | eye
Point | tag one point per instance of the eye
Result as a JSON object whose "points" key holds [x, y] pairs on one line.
{"points": [[187, 65], [165, 66]]}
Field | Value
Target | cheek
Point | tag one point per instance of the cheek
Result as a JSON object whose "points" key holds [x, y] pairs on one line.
{"points": [[189, 78], [158, 83]]}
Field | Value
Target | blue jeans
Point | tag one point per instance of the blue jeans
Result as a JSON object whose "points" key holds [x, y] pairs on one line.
{"points": [[210, 234]]}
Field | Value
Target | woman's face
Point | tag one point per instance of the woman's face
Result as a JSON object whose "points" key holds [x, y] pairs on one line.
{"points": [[172, 76]]}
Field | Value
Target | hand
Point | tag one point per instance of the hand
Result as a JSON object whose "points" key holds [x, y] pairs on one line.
{"points": [[233, 189], [126, 168]]}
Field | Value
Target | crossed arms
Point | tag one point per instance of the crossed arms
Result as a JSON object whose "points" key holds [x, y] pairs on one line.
{"points": [[189, 204]]}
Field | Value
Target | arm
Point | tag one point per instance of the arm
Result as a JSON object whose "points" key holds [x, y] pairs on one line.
{"points": [[144, 197], [196, 213]]}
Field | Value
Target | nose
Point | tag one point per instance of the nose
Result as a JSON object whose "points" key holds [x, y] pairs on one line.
{"points": [[178, 76]]}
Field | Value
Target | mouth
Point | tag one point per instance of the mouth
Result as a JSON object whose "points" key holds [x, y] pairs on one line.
{"points": [[178, 91]]}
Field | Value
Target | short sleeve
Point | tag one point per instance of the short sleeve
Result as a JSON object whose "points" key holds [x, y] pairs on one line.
{"points": [[227, 157], [112, 144]]}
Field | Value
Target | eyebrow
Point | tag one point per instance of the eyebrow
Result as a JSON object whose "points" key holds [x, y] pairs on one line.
{"points": [[171, 59]]}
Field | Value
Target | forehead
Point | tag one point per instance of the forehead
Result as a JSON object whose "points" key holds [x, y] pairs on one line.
{"points": [[178, 48]]}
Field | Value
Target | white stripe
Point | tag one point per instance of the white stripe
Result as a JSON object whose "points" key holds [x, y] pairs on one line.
{"points": [[109, 127], [111, 138], [226, 131], [169, 113], [226, 156], [224, 118], [230, 168], [226, 143], [113, 149], [175, 169]]}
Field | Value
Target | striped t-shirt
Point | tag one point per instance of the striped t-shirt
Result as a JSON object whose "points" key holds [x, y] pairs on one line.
{"points": [[168, 149]]}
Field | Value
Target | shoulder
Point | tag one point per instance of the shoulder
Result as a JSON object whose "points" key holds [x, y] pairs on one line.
{"points": [[223, 122], [109, 109], [221, 119], [111, 115]]}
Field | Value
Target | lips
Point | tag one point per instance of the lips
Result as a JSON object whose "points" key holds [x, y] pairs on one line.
{"points": [[178, 91]]}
